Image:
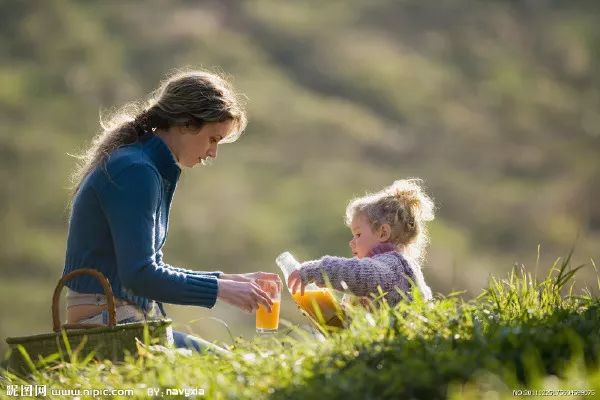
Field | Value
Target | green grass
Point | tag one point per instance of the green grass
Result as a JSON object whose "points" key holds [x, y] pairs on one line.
{"points": [[520, 333]]}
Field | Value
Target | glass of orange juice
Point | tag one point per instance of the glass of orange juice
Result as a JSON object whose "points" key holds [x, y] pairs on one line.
{"points": [[268, 322]]}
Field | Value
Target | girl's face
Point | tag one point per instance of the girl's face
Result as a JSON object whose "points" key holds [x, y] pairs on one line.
{"points": [[363, 237], [195, 146]]}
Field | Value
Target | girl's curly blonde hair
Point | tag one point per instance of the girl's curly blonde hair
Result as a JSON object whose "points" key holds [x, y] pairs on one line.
{"points": [[405, 207]]}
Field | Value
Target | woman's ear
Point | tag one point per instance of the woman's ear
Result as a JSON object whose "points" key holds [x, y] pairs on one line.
{"points": [[385, 231]]}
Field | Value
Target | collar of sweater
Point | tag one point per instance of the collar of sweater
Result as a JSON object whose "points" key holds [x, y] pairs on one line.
{"points": [[381, 248], [162, 157]]}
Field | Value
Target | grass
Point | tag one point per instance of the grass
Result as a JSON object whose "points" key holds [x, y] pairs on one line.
{"points": [[521, 334]]}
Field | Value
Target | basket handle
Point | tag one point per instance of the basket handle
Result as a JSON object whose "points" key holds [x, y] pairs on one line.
{"points": [[110, 299]]}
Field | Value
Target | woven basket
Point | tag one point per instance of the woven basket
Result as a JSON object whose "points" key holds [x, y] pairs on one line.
{"points": [[107, 342]]}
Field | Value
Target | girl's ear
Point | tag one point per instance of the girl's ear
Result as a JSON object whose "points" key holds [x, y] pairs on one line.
{"points": [[385, 231]]}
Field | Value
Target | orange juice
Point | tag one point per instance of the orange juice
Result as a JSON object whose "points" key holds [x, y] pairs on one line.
{"points": [[321, 298], [265, 320]]}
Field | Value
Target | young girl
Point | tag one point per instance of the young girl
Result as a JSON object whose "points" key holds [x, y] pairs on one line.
{"points": [[388, 244]]}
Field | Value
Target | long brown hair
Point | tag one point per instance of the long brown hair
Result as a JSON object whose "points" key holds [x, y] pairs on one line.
{"points": [[191, 97]]}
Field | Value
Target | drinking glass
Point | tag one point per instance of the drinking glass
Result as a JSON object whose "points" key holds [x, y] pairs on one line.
{"points": [[268, 322]]}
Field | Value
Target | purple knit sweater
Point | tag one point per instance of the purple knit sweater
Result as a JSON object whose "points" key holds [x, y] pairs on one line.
{"points": [[384, 266]]}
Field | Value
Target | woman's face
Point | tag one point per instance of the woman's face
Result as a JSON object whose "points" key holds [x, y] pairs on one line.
{"points": [[363, 237], [197, 145]]}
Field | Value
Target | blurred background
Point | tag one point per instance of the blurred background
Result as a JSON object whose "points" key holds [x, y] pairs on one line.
{"points": [[494, 104]]}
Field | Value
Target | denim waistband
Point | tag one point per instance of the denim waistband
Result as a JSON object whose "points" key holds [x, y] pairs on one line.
{"points": [[124, 314], [74, 298], [125, 310]]}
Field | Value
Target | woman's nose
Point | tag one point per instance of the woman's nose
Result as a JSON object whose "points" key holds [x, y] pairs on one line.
{"points": [[212, 151]]}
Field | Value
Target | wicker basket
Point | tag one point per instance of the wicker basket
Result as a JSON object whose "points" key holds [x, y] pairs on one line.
{"points": [[107, 342]]}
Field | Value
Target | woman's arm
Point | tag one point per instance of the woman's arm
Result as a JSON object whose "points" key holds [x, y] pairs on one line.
{"points": [[252, 276], [129, 201], [159, 260], [243, 277]]}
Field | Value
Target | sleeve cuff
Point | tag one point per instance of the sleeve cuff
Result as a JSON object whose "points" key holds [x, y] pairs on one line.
{"points": [[216, 274], [201, 290]]}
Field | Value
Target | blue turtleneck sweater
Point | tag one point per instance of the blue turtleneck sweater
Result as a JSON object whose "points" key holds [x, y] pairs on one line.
{"points": [[118, 225]]}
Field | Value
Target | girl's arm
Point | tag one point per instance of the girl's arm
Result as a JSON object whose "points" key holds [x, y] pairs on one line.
{"points": [[361, 276]]}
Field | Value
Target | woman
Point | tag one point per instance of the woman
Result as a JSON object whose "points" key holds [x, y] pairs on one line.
{"points": [[120, 207]]}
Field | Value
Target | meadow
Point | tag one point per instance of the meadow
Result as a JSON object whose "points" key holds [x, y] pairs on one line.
{"points": [[522, 336]]}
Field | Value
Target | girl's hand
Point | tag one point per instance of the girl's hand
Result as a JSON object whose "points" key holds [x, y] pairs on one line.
{"points": [[244, 295], [295, 282]]}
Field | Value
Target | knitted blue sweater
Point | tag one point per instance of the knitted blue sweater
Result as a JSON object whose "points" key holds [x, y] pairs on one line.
{"points": [[118, 225]]}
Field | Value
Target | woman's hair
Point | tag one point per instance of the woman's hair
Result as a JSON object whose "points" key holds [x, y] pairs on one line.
{"points": [[190, 98], [405, 207]]}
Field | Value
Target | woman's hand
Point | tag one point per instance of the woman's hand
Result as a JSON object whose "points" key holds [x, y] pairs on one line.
{"points": [[244, 295], [251, 276], [295, 282]]}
